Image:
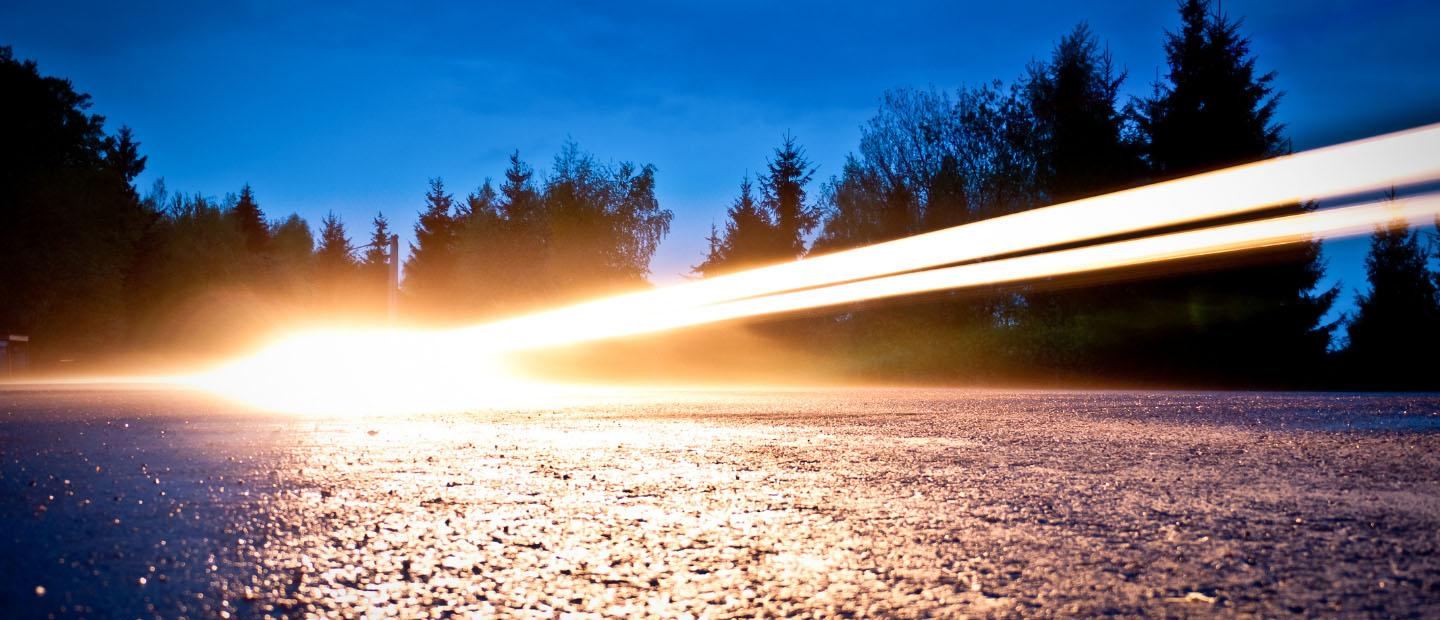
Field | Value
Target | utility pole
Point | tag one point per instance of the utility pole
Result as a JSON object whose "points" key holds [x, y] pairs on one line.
{"points": [[394, 290], [392, 264]]}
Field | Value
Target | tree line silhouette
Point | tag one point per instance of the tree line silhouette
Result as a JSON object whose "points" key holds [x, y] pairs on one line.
{"points": [[90, 266]]}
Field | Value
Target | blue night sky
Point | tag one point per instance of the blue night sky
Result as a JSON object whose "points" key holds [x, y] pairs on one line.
{"points": [[352, 108]]}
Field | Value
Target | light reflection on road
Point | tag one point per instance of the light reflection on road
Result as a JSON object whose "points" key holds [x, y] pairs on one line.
{"points": [[880, 502]]}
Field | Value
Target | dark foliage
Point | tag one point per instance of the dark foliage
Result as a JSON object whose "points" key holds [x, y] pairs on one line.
{"points": [[588, 228], [71, 219], [250, 220], [430, 269], [1396, 326], [91, 268], [783, 195], [1084, 147], [336, 270], [1213, 109], [603, 224], [1256, 325], [750, 238]]}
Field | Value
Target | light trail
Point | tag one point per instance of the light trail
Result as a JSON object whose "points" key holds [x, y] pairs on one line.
{"points": [[345, 371], [335, 372], [1397, 159], [1327, 224]]}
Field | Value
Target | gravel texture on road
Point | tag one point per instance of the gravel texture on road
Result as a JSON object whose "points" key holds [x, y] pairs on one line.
{"points": [[869, 502]]}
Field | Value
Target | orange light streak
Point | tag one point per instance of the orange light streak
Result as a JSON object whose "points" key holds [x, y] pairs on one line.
{"points": [[339, 371]]}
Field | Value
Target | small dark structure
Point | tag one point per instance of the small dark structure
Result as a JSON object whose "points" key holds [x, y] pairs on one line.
{"points": [[14, 354]]}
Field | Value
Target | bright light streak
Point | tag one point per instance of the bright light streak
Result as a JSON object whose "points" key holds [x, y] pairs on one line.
{"points": [[338, 371], [342, 371], [367, 372], [1376, 163], [1271, 232]]}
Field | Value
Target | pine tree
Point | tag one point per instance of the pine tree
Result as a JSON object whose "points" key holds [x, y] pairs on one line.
{"points": [[1396, 326], [1079, 128], [520, 203], [481, 205], [524, 238], [375, 265], [334, 253], [783, 196], [335, 265], [122, 155], [1081, 150], [480, 257], [377, 252], [436, 226], [714, 252], [1258, 324], [749, 239], [1214, 109], [251, 221], [429, 271]]}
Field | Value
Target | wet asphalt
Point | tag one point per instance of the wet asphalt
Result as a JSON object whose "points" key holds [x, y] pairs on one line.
{"points": [[911, 503]]}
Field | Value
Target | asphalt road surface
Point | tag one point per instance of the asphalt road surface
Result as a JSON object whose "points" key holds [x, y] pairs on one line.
{"points": [[141, 503]]}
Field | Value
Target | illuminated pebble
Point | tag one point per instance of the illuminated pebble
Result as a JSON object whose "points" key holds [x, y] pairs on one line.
{"points": [[39, 590]]}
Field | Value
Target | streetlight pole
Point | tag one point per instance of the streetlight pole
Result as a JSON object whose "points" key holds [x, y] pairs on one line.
{"points": [[392, 268]]}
